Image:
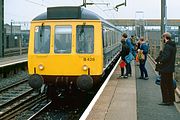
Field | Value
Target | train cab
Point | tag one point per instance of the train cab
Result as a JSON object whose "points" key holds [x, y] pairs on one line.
{"points": [[66, 48]]}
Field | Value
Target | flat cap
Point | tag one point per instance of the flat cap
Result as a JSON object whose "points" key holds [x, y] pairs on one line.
{"points": [[167, 35]]}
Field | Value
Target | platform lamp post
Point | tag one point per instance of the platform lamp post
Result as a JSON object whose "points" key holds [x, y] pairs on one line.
{"points": [[1, 28], [163, 20], [139, 23]]}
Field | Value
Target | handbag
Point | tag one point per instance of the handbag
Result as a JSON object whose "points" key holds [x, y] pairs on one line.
{"points": [[141, 56], [122, 64], [158, 82], [129, 57], [137, 58]]}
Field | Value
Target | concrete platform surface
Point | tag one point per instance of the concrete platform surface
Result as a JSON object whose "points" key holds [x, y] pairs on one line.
{"points": [[133, 99], [12, 59], [118, 100]]}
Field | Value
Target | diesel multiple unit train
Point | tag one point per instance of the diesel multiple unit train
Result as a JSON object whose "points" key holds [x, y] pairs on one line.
{"points": [[71, 46]]}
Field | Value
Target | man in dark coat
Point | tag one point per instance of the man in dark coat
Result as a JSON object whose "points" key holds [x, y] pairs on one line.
{"points": [[167, 61]]}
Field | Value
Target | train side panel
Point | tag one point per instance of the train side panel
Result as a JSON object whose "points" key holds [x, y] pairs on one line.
{"points": [[111, 44]]}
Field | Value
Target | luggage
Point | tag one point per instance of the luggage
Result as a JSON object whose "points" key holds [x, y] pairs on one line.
{"points": [[158, 79]]}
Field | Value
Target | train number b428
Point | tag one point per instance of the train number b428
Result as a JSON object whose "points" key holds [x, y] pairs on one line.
{"points": [[88, 59]]}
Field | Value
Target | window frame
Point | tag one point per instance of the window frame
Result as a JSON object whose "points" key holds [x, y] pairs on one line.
{"points": [[35, 27], [55, 38], [93, 28]]}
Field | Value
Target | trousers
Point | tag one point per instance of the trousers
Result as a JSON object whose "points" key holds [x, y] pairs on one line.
{"points": [[167, 89], [128, 68], [143, 69]]}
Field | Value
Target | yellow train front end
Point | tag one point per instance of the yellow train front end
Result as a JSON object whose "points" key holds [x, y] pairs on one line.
{"points": [[65, 52]]}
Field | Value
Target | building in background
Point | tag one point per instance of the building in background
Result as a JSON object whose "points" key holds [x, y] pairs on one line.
{"points": [[15, 36]]}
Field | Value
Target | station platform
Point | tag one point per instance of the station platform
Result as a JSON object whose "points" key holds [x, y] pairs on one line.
{"points": [[133, 99], [13, 60]]}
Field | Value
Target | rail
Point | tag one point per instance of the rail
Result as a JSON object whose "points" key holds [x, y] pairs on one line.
{"points": [[40, 110]]}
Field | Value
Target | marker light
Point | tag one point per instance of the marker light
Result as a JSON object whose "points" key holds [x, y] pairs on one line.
{"points": [[85, 67], [41, 67]]}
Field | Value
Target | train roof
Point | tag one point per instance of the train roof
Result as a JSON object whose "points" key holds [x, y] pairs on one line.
{"points": [[55, 13], [70, 12]]}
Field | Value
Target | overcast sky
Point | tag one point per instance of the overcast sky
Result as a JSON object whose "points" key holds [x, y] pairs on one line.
{"points": [[26, 10]]}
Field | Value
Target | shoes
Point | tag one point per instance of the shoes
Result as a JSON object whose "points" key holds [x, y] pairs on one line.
{"points": [[120, 77], [140, 77], [146, 78], [166, 104], [125, 76]]}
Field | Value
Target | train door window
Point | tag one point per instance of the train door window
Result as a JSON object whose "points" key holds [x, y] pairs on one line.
{"points": [[104, 37], [107, 38], [63, 39], [42, 40], [85, 39]]}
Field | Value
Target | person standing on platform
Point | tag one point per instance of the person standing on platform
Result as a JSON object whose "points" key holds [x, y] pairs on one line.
{"points": [[131, 47], [167, 61], [125, 51], [143, 51]]}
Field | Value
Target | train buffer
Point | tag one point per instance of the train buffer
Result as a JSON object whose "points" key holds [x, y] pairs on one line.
{"points": [[133, 99]]}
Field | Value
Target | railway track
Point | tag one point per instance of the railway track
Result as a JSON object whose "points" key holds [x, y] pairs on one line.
{"points": [[64, 109], [40, 109], [71, 106], [11, 86], [25, 108], [20, 101], [33, 107], [13, 96]]}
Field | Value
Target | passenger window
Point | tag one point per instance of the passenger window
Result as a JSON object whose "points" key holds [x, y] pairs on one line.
{"points": [[42, 40], [85, 39], [63, 39]]}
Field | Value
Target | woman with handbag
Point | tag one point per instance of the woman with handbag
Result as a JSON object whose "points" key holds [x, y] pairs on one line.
{"points": [[142, 53], [125, 51]]}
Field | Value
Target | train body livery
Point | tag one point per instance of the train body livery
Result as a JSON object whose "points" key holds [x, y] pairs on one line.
{"points": [[70, 46]]}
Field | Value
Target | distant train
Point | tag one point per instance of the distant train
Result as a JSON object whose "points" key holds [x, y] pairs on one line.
{"points": [[71, 47]]}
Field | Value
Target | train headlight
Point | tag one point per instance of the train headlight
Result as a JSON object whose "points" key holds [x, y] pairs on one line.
{"points": [[41, 67], [85, 67]]}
